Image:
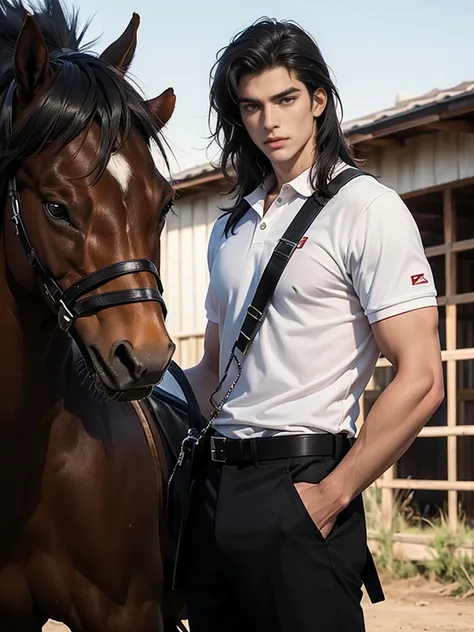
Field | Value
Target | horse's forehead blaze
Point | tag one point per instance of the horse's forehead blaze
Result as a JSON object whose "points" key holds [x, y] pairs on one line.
{"points": [[120, 169]]}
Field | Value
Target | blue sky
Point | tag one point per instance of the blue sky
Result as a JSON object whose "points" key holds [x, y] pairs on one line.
{"points": [[374, 49]]}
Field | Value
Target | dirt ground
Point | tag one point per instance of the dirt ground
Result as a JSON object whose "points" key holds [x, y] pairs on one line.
{"points": [[412, 605]]}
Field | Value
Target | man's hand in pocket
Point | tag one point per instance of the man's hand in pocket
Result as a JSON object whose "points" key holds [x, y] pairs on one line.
{"points": [[321, 511]]}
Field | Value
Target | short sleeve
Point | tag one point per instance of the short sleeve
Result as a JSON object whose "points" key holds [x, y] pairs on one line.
{"points": [[210, 307], [386, 260], [212, 249]]}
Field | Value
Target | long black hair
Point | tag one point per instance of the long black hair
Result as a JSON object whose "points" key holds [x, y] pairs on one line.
{"points": [[264, 45], [85, 89]]}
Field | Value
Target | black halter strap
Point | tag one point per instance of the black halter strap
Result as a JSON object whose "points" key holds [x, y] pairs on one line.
{"points": [[66, 302]]}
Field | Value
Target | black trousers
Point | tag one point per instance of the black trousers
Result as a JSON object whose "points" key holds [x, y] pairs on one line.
{"points": [[256, 560]]}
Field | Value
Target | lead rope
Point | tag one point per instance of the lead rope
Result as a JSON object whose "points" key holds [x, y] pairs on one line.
{"points": [[217, 409], [193, 436]]}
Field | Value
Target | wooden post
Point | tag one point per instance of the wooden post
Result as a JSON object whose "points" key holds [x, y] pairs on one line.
{"points": [[387, 500], [451, 343]]}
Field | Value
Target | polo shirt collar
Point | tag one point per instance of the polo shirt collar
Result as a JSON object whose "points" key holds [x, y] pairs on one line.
{"points": [[301, 186]]}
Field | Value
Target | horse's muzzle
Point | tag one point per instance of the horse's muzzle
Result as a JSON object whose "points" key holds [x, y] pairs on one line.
{"points": [[130, 373]]}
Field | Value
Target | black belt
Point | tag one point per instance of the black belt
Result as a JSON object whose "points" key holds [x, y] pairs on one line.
{"points": [[235, 451]]}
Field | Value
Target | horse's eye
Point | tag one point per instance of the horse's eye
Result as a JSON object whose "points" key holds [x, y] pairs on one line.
{"points": [[168, 208], [56, 211], [164, 213]]}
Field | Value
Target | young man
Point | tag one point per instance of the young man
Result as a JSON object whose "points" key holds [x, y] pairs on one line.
{"points": [[277, 535]]}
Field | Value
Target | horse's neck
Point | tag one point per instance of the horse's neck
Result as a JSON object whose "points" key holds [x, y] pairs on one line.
{"points": [[33, 352]]}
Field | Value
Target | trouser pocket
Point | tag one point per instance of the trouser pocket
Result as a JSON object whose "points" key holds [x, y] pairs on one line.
{"points": [[304, 470], [347, 541]]}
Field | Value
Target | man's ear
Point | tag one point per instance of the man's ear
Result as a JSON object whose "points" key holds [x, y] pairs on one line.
{"points": [[320, 99]]}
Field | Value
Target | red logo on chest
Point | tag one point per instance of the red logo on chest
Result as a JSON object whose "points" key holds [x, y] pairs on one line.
{"points": [[418, 279], [302, 242]]}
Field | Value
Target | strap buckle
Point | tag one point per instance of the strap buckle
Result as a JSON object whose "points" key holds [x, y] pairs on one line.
{"points": [[285, 248], [255, 313]]}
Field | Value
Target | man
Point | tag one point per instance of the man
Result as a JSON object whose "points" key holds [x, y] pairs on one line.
{"points": [[279, 544]]}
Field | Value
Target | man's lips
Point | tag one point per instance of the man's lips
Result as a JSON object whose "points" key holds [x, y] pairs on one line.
{"points": [[276, 142]]}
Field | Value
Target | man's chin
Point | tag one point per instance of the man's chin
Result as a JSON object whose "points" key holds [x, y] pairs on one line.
{"points": [[279, 156]]}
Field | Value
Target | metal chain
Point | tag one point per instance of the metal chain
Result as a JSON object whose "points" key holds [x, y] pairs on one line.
{"points": [[217, 409]]}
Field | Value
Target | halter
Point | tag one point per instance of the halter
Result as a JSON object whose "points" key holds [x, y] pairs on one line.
{"points": [[66, 303]]}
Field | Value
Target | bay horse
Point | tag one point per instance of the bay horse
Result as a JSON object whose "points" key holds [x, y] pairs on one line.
{"points": [[81, 479]]}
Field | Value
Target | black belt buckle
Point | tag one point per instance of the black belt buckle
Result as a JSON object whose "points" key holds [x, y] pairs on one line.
{"points": [[217, 449]]}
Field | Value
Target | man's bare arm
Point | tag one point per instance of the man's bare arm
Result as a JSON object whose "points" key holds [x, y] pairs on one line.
{"points": [[410, 342], [204, 376]]}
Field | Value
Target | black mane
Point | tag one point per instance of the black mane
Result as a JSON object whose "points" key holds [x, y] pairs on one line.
{"points": [[85, 89]]}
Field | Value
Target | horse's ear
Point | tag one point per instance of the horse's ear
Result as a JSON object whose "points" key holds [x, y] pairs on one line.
{"points": [[163, 106], [121, 52], [32, 67]]}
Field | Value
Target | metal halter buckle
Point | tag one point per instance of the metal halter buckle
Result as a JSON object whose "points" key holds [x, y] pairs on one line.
{"points": [[15, 210], [65, 317]]}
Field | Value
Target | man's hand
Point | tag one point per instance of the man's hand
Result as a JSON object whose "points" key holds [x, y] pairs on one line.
{"points": [[322, 512]]}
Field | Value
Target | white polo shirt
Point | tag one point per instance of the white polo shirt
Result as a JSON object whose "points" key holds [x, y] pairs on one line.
{"points": [[361, 261]]}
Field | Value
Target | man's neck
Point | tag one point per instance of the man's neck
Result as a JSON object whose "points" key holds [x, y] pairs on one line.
{"points": [[286, 172], [282, 176]]}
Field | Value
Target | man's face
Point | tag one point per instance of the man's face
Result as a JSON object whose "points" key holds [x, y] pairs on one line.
{"points": [[280, 115]]}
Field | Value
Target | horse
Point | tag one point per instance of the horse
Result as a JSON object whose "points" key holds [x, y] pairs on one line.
{"points": [[82, 329]]}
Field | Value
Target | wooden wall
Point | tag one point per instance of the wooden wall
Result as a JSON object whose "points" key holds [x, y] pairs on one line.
{"points": [[423, 162]]}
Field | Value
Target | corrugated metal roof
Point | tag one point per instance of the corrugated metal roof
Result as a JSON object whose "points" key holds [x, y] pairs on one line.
{"points": [[408, 105], [402, 106], [194, 172]]}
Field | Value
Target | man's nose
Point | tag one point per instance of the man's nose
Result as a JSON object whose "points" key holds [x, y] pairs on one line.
{"points": [[270, 118]]}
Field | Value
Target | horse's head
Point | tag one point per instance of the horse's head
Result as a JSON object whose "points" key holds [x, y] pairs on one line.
{"points": [[88, 197]]}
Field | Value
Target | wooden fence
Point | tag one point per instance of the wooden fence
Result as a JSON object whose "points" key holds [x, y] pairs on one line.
{"points": [[190, 345]]}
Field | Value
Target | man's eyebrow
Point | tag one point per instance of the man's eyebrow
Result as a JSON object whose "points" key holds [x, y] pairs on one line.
{"points": [[285, 93], [275, 97]]}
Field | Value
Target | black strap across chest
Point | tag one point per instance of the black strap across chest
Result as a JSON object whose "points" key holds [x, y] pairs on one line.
{"points": [[281, 255]]}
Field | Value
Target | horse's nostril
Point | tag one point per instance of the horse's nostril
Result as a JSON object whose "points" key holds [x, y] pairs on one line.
{"points": [[125, 354]]}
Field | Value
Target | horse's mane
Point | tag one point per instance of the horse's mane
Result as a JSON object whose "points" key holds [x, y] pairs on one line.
{"points": [[85, 89]]}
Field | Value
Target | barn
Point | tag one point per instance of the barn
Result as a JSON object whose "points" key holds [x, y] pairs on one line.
{"points": [[423, 147]]}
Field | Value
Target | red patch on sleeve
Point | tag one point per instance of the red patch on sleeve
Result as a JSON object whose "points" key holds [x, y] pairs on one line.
{"points": [[418, 279]]}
